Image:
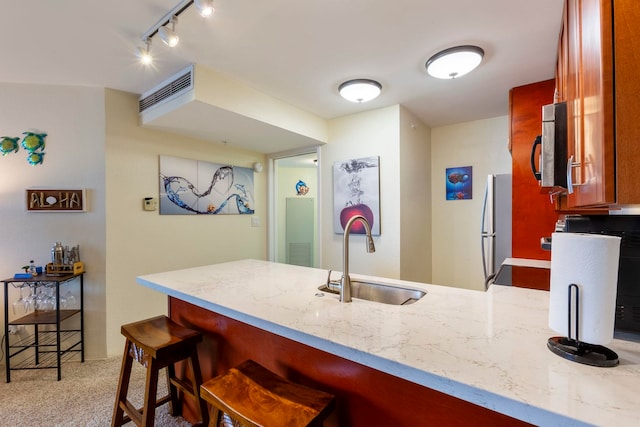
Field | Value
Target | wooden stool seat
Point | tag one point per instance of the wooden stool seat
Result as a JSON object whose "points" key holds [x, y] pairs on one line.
{"points": [[254, 396], [158, 343]]}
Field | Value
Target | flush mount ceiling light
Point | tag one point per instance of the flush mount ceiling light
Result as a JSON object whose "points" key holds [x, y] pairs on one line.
{"points": [[168, 35], [360, 90], [165, 28], [454, 62]]}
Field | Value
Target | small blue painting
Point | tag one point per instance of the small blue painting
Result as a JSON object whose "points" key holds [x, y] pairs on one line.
{"points": [[459, 183]]}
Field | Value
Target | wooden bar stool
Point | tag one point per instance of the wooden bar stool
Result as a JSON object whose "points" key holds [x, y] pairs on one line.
{"points": [[158, 343], [255, 397]]}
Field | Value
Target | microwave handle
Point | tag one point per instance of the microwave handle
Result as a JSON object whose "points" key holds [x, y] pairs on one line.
{"points": [[536, 173]]}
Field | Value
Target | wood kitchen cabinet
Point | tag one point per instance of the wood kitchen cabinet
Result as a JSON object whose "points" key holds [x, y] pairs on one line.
{"points": [[533, 214], [365, 396], [597, 75]]}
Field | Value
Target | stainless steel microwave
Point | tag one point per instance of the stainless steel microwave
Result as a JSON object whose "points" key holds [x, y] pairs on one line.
{"points": [[553, 147]]}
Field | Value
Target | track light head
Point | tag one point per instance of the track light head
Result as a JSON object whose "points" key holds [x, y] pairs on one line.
{"points": [[144, 53], [168, 35], [205, 7]]}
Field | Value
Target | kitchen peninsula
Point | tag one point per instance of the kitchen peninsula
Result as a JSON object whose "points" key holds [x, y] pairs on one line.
{"points": [[453, 356]]}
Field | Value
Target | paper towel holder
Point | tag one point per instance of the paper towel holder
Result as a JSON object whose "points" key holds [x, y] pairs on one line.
{"points": [[575, 350]]}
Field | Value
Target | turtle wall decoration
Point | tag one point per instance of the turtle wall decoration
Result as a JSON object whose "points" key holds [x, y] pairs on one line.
{"points": [[32, 142]]}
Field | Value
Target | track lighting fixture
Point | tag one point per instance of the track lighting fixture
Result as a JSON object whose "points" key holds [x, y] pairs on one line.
{"points": [[168, 35], [205, 7], [165, 28]]}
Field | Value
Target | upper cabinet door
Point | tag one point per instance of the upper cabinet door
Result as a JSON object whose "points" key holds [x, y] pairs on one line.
{"points": [[590, 102], [573, 91], [598, 68], [627, 100], [562, 63]]}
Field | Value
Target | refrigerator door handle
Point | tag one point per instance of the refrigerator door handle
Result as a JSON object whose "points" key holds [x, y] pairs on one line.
{"points": [[484, 258], [487, 229], [483, 232]]}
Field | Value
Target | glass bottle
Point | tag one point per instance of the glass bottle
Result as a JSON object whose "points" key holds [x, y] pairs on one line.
{"points": [[32, 268], [57, 254]]}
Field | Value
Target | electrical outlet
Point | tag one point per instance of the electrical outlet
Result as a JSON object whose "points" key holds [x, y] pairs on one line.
{"points": [[255, 221], [13, 329]]}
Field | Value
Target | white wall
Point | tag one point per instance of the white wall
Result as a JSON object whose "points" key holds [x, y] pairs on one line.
{"points": [[94, 142], [371, 133], [74, 120], [457, 260], [141, 242], [415, 198], [402, 143]]}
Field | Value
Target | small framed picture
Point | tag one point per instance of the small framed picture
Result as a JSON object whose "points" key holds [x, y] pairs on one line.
{"points": [[54, 200], [459, 183]]}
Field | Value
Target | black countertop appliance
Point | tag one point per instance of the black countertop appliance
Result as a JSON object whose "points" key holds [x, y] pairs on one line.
{"points": [[628, 228]]}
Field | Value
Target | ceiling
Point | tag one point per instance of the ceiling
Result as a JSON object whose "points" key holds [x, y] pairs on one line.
{"points": [[294, 51]]}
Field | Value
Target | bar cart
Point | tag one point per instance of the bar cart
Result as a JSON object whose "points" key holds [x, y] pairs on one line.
{"points": [[51, 344]]}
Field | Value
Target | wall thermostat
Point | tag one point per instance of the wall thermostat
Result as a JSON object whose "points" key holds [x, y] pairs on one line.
{"points": [[150, 203]]}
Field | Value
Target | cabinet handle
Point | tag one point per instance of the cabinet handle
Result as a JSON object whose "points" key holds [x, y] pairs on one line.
{"points": [[570, 165]]}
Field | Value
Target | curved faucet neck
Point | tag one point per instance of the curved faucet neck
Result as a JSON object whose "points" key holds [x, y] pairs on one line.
{"points": [[345, 289]]}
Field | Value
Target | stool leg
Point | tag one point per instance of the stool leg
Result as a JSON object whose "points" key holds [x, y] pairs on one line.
{"points": [[150, 393], [123, 386], [196, 381], [174, 402], [214, 417]]}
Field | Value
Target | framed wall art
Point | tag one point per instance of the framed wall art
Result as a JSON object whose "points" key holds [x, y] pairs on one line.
{"points": [[54, 200], [356, 190], [193, 187], [459, 183]]}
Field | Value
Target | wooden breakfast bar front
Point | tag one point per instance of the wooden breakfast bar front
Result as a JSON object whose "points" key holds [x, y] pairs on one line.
{"points": [[454, 357]]}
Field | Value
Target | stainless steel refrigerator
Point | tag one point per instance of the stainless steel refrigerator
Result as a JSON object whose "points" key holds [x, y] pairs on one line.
{"points": [[495, 234]]}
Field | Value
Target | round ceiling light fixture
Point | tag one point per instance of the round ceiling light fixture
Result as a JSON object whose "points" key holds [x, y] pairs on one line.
{"points": [[360, 90], [454, 62]]}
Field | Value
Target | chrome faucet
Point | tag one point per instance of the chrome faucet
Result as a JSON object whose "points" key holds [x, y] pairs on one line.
{"points": [[345, 285]]}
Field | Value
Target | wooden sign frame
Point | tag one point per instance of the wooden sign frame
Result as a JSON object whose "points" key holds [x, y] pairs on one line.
{"points": [[54, 200]]}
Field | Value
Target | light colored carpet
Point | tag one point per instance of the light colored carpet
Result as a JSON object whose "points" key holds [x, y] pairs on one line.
{"points": [[83, 398]]}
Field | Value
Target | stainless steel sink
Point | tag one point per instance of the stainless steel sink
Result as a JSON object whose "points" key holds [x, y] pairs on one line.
{"points": [[377, 292]]}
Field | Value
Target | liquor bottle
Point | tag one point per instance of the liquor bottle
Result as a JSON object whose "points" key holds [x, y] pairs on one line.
{"points": [[32, 268], [57, 254]]}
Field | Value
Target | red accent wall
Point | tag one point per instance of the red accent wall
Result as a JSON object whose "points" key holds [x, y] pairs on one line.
{"points": [[533, 215], [365, 397]]}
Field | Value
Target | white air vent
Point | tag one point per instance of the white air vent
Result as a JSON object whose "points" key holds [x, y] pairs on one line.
{"points": [[180, 83]]}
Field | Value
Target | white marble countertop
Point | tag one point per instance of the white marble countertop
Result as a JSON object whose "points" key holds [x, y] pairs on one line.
{"points": [[488, 348]]}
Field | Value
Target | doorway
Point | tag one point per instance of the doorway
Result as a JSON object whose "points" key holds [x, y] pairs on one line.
{"points": [[294, 206]]}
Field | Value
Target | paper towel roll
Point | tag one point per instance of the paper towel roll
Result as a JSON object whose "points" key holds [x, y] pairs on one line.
{"points": [[591, 262]]}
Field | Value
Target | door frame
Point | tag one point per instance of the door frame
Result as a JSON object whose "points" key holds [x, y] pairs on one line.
{"points": [[272, 195]]}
